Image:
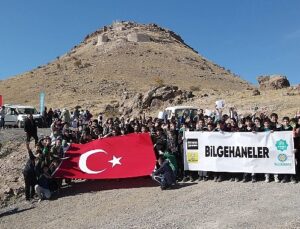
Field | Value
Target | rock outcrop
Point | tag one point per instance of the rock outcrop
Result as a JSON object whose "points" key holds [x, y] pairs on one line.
{"points": [[154, 98], [255, 92], [273, 82]]}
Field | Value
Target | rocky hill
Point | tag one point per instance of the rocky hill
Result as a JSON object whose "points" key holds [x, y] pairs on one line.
{"points": [[125, 57], [130, 60]]}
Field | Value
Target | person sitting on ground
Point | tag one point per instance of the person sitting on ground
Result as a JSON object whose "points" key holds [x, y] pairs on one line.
{"points": [[42, 188], [164, 175]]}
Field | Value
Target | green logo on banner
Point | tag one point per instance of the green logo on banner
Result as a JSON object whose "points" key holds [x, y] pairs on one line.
{"points": [[281, 145]]}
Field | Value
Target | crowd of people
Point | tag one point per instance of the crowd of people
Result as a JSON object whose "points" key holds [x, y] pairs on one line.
{"points": [[81, 127]]}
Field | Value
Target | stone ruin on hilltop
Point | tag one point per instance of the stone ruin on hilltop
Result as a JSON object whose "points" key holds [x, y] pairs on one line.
{"points": [[127, 31]]}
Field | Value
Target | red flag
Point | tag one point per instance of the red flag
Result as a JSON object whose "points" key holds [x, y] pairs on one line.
{"points": [[115, 157]]}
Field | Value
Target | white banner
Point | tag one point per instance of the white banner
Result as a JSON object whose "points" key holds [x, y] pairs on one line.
{"points": [[263, 152]]}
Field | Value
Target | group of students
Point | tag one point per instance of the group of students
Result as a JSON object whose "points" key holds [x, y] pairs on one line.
{"points": [[167, 137]]}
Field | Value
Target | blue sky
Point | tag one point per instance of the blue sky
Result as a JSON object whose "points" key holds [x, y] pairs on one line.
{"points": [[249, 37]]}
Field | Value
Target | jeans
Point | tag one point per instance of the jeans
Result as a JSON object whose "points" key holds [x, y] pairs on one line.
{"points": [[43, 193]]}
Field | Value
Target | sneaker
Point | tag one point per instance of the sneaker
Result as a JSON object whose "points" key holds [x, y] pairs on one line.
{"points": [[185, 179], [236, 179], [215, 179], [231, 179], [284, 180], [244, 180], [205, 178], [276, 180], [200, 178], [179, 179], [192, 179], [267, 180], [220, 179], [293, 180], [253, 180]]}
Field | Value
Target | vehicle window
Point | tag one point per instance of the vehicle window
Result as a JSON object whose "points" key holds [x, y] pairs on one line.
{"points": [[11, 111], [27, 110], [169, 112], [180, 112]]}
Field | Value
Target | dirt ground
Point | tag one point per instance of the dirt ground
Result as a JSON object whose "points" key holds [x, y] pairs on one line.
{"points": [[139, 203]]}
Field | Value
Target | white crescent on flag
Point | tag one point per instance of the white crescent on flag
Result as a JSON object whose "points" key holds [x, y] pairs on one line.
{"points": [[83, 158]]}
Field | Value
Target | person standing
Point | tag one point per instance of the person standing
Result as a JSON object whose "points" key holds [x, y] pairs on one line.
{"points": [[31, 129], [2, 116], [29, 174]]}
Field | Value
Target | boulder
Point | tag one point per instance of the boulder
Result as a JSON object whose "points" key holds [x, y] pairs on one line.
{"points": [[154, 98], [273, 82], [255, 92], [156, 103], [294, 90]]}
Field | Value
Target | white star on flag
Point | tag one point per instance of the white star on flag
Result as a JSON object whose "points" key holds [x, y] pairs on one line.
{"points": [[115, 161]]}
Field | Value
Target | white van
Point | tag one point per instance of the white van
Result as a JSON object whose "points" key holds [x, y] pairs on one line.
{"points": [[178, 111], [15, 115]]}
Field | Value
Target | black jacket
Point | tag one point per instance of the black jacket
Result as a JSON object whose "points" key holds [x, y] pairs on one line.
{"points": [[30, 127], [29, 169]]}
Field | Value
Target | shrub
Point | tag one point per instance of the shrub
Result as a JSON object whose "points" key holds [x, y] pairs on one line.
{"points": [[158, 81], [194, 88], [77, 63], [87, 65]]}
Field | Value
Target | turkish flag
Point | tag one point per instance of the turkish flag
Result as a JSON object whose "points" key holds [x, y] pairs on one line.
{"points": [[126, 156]]}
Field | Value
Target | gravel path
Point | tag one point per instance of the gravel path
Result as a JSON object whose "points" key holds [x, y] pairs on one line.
{"points": [[18, 134], [139, 203]]}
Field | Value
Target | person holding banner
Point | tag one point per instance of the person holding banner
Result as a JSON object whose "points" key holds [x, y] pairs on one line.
{"points": [[248, 127], [267, 127], [296, 134], [203, 175], [286, 127], [274, 125]]}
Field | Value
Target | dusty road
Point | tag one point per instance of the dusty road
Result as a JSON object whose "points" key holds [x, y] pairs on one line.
{"points": [[139, 203]]}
